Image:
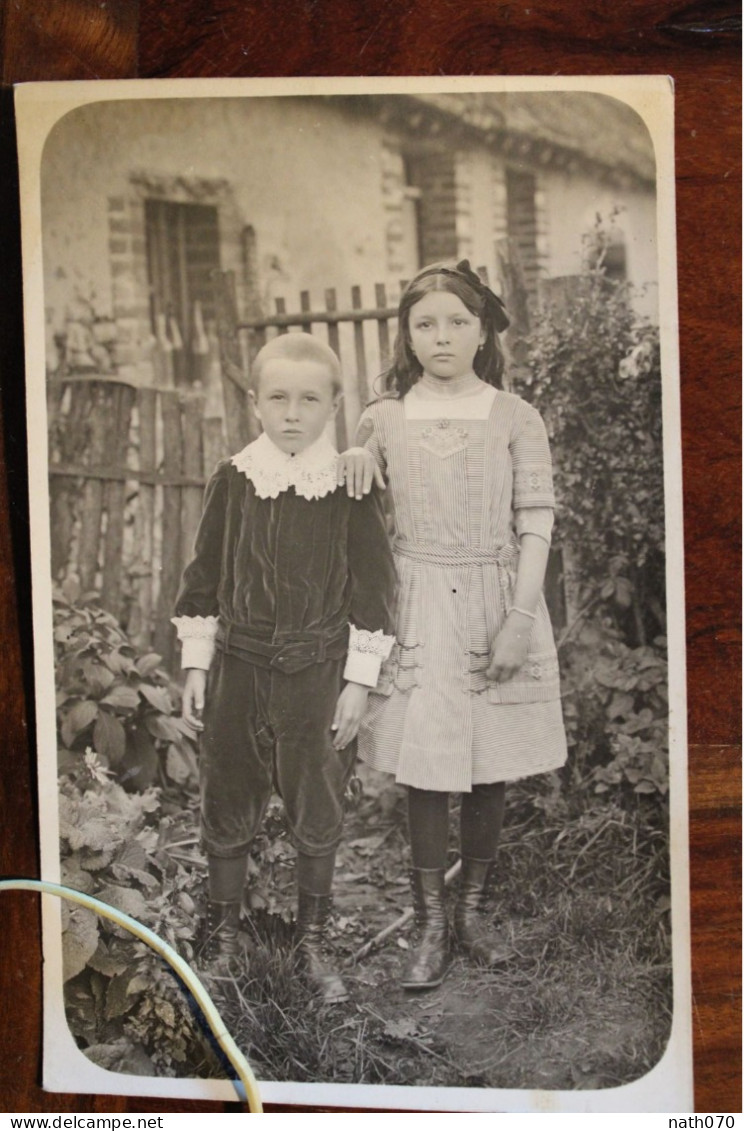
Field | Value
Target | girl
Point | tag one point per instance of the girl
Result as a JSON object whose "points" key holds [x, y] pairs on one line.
{"points": [[469, 697]]}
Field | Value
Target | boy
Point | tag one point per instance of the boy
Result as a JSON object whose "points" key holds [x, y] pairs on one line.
{"points": [[288, 603]]}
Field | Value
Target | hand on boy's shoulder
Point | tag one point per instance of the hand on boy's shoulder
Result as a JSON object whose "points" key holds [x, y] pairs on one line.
{"points": [[358, 470]]}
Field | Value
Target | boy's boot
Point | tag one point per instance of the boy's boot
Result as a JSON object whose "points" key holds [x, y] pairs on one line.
{"points": [[472, 933], [220, 949], [313, 912], [428, 962]]}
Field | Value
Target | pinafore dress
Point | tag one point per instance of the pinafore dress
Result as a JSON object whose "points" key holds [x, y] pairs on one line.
{"points": [[465, 473]]}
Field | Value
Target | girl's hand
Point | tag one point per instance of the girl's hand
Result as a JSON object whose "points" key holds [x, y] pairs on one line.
{"points": [[509, 650], [357, 468], [351, 705], [193, 697]]}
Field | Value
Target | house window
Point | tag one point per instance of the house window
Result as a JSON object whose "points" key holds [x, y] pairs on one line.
{"points": [[521, 220], [183, 248], [410, 249], [432, 176]]}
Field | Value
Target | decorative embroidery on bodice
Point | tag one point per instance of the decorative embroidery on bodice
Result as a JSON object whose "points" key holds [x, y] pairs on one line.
{"points": [[443, 438], [312, 472]]}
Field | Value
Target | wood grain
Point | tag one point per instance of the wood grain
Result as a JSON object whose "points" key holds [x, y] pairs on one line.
{"points": [[698, 45]]}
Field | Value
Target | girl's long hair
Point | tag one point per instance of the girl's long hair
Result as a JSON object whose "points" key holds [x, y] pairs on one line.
{"points": [[460, 280]]}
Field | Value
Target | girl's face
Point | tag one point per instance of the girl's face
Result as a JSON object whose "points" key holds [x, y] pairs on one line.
{"points": [[444, 335]]}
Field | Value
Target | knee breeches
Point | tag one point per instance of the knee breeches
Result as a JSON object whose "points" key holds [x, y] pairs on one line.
{"points": [[266, 731]]}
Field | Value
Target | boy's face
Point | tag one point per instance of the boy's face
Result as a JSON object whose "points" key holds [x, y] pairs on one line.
{"points": [[294, 402]]}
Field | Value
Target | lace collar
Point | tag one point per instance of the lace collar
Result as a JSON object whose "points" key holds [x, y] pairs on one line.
{"points": [[311, 472]]}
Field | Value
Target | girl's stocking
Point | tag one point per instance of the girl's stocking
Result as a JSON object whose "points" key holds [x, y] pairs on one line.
{"points": [[481, 818], [428, 826]]}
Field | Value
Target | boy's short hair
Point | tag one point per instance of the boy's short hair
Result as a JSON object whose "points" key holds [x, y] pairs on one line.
{"points": [[298, 347]]}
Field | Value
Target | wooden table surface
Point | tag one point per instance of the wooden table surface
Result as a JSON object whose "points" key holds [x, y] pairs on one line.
{"points": [[699, 45]]}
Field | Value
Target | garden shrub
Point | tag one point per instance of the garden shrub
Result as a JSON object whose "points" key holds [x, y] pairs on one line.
{"points": [[593, 370], [127, 780], [616, 714], [116, 702]]}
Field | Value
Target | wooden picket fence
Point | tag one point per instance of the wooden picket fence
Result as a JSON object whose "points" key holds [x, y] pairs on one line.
{"points": [[127, 472], [363, 354]]}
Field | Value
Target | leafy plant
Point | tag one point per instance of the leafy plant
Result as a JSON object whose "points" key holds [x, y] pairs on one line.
{"points": [[616, 714], [116, 703], [127, 781], [593, 370], [120, 999]]}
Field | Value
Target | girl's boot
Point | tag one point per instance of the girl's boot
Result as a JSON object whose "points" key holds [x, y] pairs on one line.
{"points": [[471, 931], [430, 958], [313, 913]]}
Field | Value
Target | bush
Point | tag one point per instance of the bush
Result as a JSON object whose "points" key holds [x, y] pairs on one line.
{"points": [[115, 703], [127, 769], [593, 371], [616, 715]]}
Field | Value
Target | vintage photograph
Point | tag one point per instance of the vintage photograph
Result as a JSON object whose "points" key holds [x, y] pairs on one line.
{"points": [[353, 415]]}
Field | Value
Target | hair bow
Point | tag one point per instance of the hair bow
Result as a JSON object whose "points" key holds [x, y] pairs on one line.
{"points": [[496, 305]]}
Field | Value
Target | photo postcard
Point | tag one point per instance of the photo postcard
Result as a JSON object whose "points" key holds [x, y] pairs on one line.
{"points": [[356, 520]]}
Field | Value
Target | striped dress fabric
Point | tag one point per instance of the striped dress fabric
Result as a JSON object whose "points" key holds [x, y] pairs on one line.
{"points": [[465, 474]]}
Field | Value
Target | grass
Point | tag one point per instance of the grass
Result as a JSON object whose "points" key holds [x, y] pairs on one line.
{"points": [[581, 893], [585, 1001]]}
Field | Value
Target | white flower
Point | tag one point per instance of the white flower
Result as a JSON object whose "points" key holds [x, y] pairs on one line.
{"points": [[94, 767]]}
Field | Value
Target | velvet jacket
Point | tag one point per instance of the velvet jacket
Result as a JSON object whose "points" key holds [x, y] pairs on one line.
{"points": [[288, 575]]}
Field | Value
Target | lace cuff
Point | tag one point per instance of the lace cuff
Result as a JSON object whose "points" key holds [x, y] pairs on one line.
{"points": [[367, 650], [197, 636]]}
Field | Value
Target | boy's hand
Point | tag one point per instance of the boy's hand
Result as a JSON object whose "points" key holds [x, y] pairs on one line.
{"points": [[509, 649], [193, 697], [351, 705], [357, 468]]}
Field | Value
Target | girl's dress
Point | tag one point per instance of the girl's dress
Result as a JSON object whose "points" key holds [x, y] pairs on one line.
{"points": [[467, 475]]}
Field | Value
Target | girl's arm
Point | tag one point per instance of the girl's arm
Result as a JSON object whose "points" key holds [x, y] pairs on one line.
{"points": [[509, 649], [359, 467], [533, 503]]}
